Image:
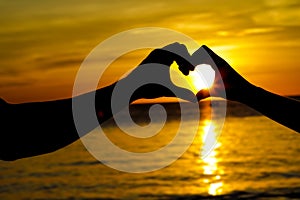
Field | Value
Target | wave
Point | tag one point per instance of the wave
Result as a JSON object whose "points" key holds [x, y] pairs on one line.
{"points": [[139, 112], [276, 193]]}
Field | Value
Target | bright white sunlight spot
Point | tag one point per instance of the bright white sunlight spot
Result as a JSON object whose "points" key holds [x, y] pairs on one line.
{"points": [[202, 77]]}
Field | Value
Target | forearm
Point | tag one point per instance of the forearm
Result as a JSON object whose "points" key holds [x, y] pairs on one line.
{"points": [[280, 109], [103, 101], [31, 129]]}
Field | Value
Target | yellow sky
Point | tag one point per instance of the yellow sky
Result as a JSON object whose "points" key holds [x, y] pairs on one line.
{"points": [[42, 43]]}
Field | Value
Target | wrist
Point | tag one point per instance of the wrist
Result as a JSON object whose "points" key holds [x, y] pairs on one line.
{"points": [[250, 94], [245, 94], [125, 84]]}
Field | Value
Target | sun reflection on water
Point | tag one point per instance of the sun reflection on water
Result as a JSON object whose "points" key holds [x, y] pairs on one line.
{"points": [[210, 167]]}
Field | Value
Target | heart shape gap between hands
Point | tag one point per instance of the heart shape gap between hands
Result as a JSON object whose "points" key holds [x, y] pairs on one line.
{"points": [[202, 77]]}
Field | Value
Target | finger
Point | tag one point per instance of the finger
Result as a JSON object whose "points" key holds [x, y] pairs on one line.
{"points": [[209, 51], [166, 57], [162, 56], [212, 54], [184, 70], [182, 57], [158, 56], [179, 49], [170, 53], [220, 62]]}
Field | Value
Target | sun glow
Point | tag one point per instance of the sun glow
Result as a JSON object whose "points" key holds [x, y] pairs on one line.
{"points": [[201, 78]]}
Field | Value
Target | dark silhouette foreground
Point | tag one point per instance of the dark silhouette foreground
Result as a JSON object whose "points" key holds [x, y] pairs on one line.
{"points": [[31, 129], [278, 108]]}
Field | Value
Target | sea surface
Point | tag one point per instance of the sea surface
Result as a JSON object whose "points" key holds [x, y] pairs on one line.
{"points": [[254, 158]]}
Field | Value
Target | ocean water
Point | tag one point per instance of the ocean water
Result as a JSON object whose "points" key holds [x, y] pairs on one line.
{"points": [[255, 158]]}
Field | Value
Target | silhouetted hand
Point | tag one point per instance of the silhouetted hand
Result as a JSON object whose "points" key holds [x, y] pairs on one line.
{"points": [[278, 108], [22, 137], [234, 84], [155, 67]]}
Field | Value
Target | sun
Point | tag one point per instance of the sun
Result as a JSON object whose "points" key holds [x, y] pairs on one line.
{"points": [[202, 77]]}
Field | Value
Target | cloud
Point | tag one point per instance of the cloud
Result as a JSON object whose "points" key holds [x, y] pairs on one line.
{"points": [[278, 17], [43, 38], [281, 3], [56, 62]]}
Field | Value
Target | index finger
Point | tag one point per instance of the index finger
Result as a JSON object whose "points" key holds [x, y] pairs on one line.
{"points": [[180, 54]]}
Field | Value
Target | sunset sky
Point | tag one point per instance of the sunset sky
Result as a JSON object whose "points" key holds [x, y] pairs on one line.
{"points": [[42, 43]]}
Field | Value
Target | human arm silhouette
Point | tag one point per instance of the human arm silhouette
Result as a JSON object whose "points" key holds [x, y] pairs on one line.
{"points": [[30, 129], [278, 108]]}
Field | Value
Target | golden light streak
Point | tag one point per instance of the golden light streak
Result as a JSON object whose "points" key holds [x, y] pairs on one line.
{"points": [[210, 167]]}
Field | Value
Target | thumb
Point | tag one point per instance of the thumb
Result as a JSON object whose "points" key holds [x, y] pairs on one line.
{"points": [[210, 52], [186, 94], [202, 94]]}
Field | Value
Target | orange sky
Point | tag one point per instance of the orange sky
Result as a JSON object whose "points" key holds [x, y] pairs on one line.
{"points": [[43, 43]]}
